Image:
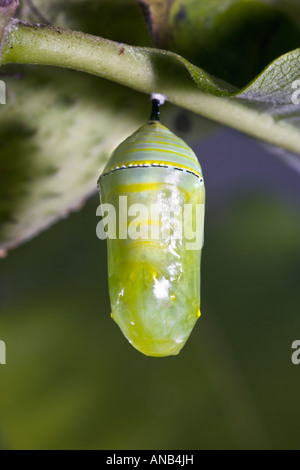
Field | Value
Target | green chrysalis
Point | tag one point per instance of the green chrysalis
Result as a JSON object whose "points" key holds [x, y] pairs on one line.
{"points": [[154, 283]]}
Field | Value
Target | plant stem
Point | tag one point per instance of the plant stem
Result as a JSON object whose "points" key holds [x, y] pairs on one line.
{"points": [[145, 70]]}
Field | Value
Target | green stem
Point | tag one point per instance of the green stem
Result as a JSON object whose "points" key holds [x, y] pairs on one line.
{"points": [[46, 45], [145, 70]]}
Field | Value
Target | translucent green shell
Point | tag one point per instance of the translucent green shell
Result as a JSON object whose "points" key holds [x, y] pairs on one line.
{"points": [[154, 285]]}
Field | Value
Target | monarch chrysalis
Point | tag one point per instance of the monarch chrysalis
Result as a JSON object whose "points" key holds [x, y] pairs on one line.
{"points": [[154, 284]]}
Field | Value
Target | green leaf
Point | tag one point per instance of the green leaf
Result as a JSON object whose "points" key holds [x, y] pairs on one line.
{"points": [[263, 109]]}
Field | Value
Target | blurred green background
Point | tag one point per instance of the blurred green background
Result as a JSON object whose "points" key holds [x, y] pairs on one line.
{"points": [[73, 381]]}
